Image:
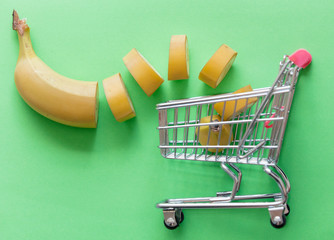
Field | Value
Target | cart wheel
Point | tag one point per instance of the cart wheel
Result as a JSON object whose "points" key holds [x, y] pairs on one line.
{"points": [[182, 217], [287, 210], [172, 225], [169, 227], [280, 222]]}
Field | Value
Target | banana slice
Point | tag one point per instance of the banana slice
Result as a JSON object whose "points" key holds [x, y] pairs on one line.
{"points": [[118, 98], [217, 67], [178, 65], [61, 99], [203, 133], [238, 108], [142, 71]]}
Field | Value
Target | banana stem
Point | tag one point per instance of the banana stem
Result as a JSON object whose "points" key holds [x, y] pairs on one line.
{"points": [[19, 25], [23, 32]]}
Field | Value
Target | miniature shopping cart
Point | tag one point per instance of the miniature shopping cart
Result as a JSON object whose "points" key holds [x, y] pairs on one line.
{"points": [[255, 137]]}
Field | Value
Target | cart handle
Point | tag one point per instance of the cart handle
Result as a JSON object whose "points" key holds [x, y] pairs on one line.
{"points": [[302, 58], [261, 108]]}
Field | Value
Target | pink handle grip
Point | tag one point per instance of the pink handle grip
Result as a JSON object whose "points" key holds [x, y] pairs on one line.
{"points": [[266, 123], [301, 58]]}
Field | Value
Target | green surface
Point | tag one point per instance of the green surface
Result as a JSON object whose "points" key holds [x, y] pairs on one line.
{"points": [[58, 182]]}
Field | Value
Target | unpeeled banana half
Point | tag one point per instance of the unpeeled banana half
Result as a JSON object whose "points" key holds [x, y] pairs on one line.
{"points": [[61, 99]]}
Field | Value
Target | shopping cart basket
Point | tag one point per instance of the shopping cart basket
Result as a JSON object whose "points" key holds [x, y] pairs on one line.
{"points": [[254, 136]]}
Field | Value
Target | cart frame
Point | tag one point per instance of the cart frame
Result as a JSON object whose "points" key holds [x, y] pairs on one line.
{"points": [[252, 140]]}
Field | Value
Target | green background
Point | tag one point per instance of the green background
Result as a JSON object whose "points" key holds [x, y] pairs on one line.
{"points": [[58, 182]]}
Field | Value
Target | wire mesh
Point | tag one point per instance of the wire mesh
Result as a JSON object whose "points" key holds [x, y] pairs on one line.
{"points": [[183, 124]]}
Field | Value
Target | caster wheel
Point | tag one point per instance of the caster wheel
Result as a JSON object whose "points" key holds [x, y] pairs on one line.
{"points": [[182, 217], [279, 223], [171, 225], [288, 210]]}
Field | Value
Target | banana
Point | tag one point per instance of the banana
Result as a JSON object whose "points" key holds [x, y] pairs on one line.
{"points": [[226, 135], [61, 99]]}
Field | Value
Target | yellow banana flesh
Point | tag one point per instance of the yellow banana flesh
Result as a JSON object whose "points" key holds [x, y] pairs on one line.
{"points": [[203, 133]]}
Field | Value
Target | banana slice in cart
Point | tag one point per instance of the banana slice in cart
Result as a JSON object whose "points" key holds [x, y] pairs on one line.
{"points": [[235, 108], [202, 133]]}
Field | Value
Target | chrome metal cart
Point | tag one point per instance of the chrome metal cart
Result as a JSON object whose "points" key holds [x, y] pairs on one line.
{"points": [[255, 137]]}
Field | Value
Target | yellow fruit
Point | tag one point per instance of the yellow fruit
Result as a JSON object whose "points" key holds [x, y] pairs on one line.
{"points": [[178, 64], [142, 71], [239, 108], [118, 98], [214, 133], [61, 99], [218, 65]]}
